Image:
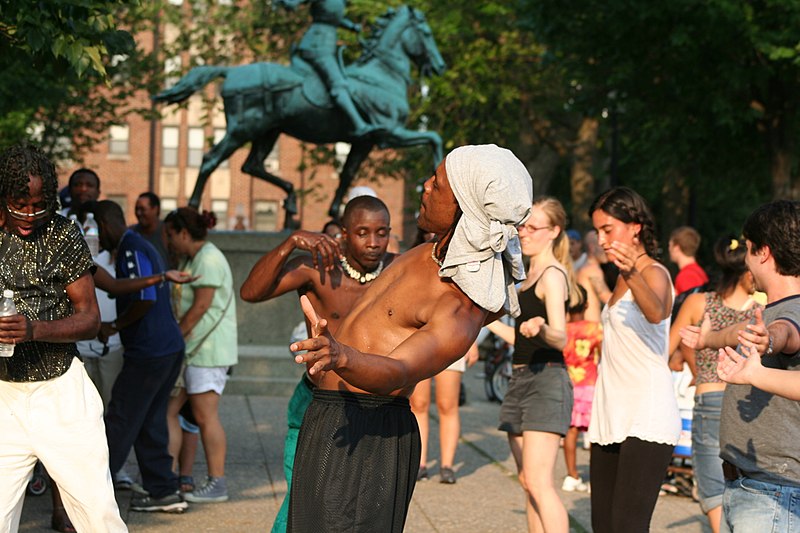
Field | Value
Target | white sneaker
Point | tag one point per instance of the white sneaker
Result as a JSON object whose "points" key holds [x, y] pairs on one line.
{"points": [[574, 484]]}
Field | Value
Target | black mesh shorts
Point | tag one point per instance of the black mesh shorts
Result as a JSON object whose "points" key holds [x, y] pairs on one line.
{"points": [[356, 464]]}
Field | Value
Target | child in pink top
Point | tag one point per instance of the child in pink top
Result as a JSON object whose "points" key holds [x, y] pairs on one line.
{"points": [[581, 355]]}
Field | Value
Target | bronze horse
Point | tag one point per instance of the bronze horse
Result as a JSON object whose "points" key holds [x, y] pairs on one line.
{"points": [[263, 100]]}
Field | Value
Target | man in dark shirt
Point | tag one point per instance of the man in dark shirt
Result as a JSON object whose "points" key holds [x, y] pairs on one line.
{"points": [[148, 213], [154, 350], [49, 409]]}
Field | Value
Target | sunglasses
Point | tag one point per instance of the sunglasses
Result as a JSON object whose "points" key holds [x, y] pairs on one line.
{"points": [[19, 215], [532, 229]]}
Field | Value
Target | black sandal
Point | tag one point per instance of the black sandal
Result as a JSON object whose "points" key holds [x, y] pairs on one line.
{"points": [[186, 483]]}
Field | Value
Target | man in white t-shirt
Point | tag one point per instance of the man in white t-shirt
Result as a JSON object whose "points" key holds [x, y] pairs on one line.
{"points": [[103, 361]]}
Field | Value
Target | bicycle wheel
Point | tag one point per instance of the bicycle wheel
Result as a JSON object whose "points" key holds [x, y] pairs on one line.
{"points": [[488, 387], [500, 378]]}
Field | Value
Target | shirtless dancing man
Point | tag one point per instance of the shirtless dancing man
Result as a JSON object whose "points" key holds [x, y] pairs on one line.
{"points": [[358, 449], [332, 279]]}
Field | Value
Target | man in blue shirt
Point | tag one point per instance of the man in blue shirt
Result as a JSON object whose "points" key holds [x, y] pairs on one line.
{"points": [[154, 351]]}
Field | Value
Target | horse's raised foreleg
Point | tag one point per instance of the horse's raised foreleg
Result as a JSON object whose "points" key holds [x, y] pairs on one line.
{"points": [[403, 138], [358, 152], [254, 165], [211, 160]]}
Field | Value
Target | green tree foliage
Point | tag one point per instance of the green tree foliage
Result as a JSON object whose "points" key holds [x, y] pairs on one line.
{"points": [[55, 57], [704, 95], [498, 88], [80, 32]]}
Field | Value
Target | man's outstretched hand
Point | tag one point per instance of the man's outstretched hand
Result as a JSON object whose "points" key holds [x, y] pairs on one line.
{"points": [[323, 352], [180, 276], [733, 367]]}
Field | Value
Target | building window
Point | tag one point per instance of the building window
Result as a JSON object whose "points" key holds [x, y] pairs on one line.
{"points": [[172, 71], [196, 141], [118, 137], [342, 151], [119, 199], [168, 205], [220, 209], [169, 146], [219, 133], [273, 162], [266, 215]]}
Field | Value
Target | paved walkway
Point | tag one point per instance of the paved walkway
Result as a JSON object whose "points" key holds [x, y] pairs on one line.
{"points": [[486, 498]]}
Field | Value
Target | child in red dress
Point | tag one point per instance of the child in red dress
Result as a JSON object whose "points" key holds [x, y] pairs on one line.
{"points": [[581, 354]]}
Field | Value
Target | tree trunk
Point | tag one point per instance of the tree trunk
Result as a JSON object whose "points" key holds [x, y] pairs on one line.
{"points": [[582, 176], [543, 169], [779, 119], [780, 151]]}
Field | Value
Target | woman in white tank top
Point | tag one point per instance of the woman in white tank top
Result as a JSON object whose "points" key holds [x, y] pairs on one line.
{"points": [[635, 420]]}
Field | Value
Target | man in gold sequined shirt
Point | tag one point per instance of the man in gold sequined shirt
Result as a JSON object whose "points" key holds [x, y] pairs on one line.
{"points": [[49, 409]]}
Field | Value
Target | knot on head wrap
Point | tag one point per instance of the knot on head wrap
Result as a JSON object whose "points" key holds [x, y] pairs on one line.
{"points": [[499, 235], [494, 192]]}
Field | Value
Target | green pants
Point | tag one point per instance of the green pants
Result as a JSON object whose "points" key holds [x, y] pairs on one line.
{"points": [[296, 410]]}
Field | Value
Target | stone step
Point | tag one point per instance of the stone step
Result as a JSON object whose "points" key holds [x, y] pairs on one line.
{"points": [[264, 370], [267, 361]]}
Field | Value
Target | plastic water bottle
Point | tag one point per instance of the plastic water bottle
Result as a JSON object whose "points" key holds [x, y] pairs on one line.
{"points": [[7, 308], [91, 232]]}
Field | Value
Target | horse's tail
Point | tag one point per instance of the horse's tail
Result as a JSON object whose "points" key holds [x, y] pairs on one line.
{"points": [[195, 79]]}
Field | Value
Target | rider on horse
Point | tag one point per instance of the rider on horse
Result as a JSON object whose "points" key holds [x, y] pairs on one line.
{"points": [[318, 47]]}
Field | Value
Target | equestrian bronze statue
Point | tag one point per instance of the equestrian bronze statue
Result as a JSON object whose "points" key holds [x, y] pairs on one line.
{"points": [[263, 100]]}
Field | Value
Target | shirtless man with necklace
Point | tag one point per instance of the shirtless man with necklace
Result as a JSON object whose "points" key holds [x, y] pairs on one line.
{"points": [[333, 277]]}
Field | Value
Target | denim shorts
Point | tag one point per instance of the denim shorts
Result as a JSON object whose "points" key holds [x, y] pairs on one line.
{"points": [[750, 506], [539, 398], [705, 449]]}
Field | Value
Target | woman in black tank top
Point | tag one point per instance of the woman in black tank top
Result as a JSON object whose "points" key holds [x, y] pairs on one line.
{"points": [[537, 408]]}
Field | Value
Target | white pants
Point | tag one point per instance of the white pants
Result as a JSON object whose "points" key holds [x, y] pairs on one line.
{"points": [[60, 422]]}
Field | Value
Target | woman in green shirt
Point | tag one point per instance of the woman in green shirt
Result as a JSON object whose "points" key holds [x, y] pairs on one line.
{"points": [[206, 312]]}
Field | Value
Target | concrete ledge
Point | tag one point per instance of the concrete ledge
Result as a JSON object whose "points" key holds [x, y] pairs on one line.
{"points": [[269, 351], [264, 370], [257, 386]]}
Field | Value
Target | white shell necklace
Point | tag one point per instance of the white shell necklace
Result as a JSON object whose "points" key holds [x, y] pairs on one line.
{"points": [[358, 276], [433, 254]]}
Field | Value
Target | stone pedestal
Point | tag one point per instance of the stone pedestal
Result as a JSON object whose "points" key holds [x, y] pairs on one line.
{"points": [[264, 323]]}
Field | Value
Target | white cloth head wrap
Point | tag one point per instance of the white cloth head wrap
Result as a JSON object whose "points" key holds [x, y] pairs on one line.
{"points": [[495, 193]]}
